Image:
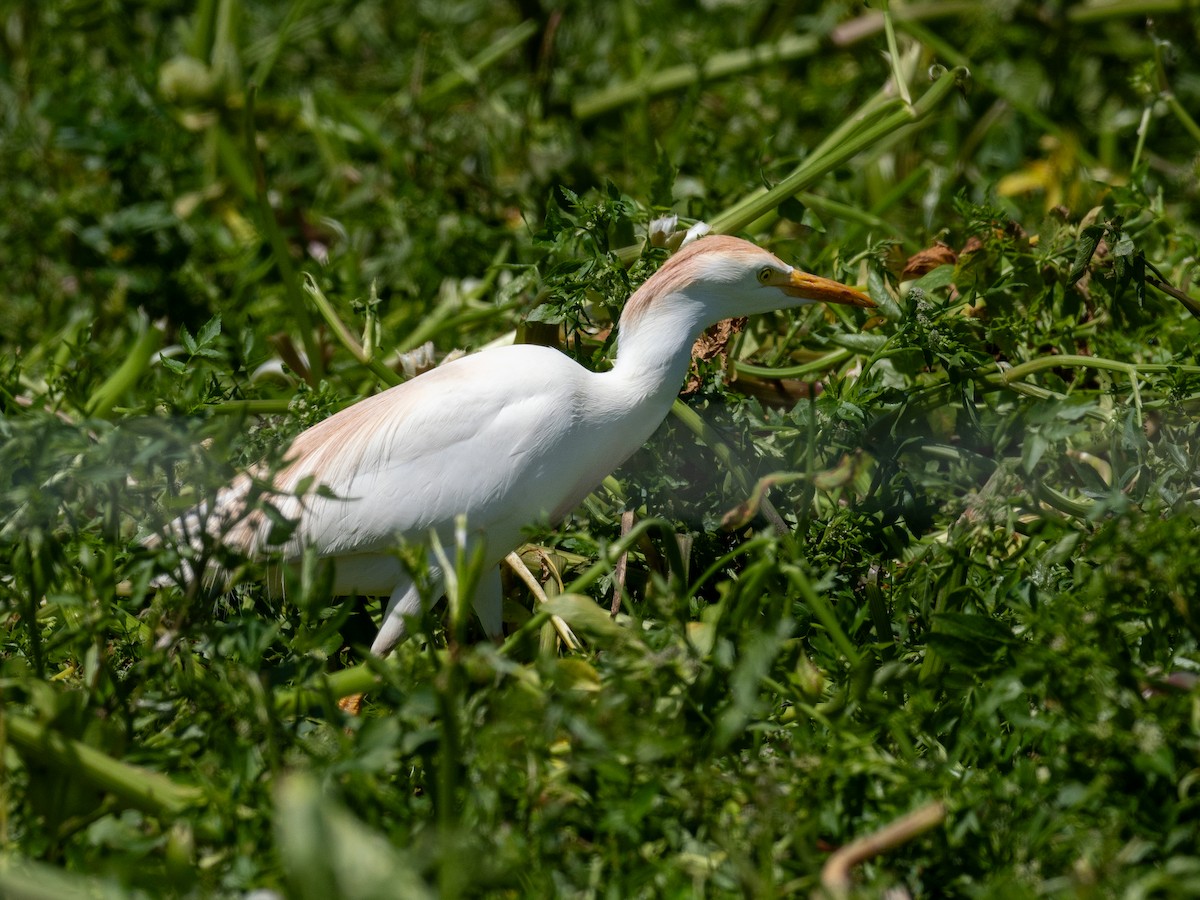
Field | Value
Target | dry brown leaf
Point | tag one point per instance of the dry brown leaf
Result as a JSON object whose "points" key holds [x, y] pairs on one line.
{"points": [[712, 344], [927, 260], [973, 245]]}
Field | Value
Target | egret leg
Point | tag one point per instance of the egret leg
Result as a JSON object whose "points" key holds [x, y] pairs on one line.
{"points": [[405, 601], [488, 602]]}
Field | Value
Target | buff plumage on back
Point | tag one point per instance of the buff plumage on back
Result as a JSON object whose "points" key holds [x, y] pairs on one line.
{"points": [[327, 454], [392, 465], [380, 432]]}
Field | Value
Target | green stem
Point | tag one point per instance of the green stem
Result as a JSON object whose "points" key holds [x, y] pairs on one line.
{"points": [[278, 41], [226, 150], [450, 690], [889, 31], [820, 364], [27, 879], [1067, 360], [722, 65], [1010, 94], [149, 791], [1142, 130], [345, 683], [824, 612], [865, 132], [1081, 509], [1182, 115], [1083, 13], [137, 361], [343, 334], [469, 72], [845, 212]]}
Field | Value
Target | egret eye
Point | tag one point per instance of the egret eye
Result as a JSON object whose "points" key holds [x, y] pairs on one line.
{"points": [[764, 275]]}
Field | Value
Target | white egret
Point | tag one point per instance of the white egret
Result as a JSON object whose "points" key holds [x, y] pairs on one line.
{"points": [[508, 437]]}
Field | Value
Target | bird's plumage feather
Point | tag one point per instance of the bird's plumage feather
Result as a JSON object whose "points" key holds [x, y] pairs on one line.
{"points": [[494, 437], [506, 437]]}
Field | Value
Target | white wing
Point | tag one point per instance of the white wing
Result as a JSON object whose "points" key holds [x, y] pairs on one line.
{"points": [[498, 436], [507, 436]]}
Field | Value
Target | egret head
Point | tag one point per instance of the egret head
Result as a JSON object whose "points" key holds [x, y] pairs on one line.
{"points": [[731, 277]]}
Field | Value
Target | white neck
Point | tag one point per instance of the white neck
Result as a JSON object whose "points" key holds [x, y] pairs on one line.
{"points": [[654, 351]]}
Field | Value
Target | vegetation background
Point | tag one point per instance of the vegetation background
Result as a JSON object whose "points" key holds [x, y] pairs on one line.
{"points": [[221, 221]]}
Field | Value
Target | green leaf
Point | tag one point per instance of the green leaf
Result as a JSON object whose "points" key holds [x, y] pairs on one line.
{"points": [[792, 210], [969, 641], [208, 331], [186, 339], [935, 279], [1089, 239], [585, 616], [877, 291], [327, 852], [972, 626]]}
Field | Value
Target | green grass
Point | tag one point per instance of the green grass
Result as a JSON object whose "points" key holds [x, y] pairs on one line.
{"points": [[984, 595]]}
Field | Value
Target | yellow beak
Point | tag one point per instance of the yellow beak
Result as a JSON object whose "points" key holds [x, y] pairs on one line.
{"points": [[813, 287]]}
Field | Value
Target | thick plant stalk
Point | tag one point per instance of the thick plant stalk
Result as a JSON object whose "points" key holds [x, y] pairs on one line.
{"points": [[518, 567], [835, 875], [789, 48], [333, 687], [143, 789], [874, 126], [344, 336], [137, 361], [721, 65], [469, 71]]}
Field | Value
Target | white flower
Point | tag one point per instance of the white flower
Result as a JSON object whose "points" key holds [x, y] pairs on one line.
{"points": [[665, 232]]}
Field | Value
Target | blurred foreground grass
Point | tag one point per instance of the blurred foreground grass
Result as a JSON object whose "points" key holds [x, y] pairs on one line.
{"points": [[985, 595]]}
